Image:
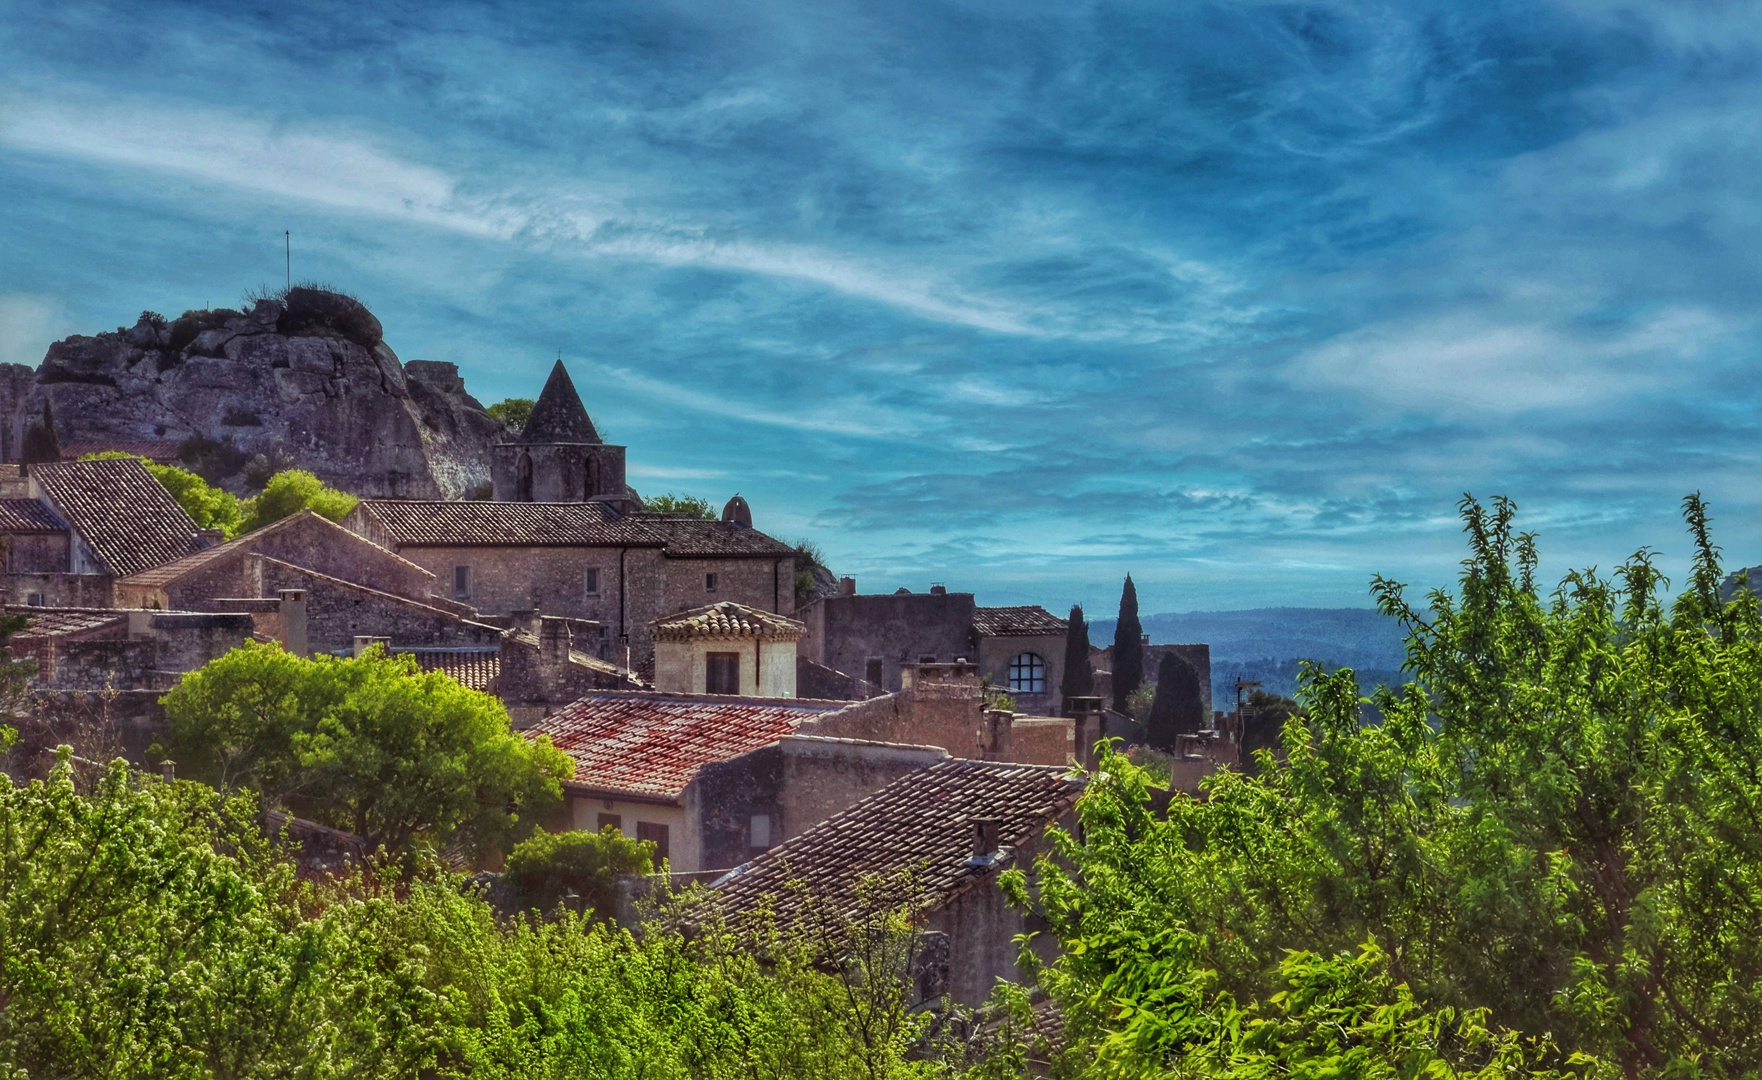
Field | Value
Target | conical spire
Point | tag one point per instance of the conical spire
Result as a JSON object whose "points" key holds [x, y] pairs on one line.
{"points": [[559, 416]]}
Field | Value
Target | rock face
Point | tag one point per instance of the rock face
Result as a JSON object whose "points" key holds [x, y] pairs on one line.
{"points": [[307, 378]]}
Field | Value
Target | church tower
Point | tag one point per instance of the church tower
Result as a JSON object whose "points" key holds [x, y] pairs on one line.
{"points": [[558, 455]]}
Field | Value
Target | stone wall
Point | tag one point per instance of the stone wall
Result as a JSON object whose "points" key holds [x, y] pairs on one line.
{"points": [[767, 669], [62, 590], [847, 632], [339, 611], [995, 654], [982, 928], [37, 553], [949, 716]]}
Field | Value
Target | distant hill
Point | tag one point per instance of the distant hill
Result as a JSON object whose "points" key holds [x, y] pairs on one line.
{"points": [[1266, 644]]}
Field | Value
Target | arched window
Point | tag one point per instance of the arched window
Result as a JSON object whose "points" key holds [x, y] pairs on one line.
{"points": [[523, 486], [1027, 674]]}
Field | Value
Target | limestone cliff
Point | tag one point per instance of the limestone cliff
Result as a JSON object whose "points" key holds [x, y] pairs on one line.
{"points": [[305, 378]]}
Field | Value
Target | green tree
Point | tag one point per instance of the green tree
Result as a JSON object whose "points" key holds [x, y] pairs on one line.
{"points": [[689, 505], [1128, 650], [1179, 705], [512, 413], [40, 441], [209, 507], [370, 744], [1553, 829], [289, 492], [541, 869], [1079, 675]]}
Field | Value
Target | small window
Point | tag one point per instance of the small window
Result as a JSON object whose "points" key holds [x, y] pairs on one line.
{"points": [[461, 582], [709, 582], [34, 599], [1027, 674], [655, 834], [590, 581], [616, 821], [761, 831], [873, 673], [722, 673]]}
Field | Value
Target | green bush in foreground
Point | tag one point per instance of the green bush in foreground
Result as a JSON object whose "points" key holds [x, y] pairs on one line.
{"points": [[544, 867]]}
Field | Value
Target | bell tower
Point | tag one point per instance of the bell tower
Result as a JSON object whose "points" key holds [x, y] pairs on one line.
{"points": [[559, 456]]}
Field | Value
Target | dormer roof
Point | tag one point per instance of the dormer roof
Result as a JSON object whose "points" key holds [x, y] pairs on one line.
{"points": [[559, 416]]}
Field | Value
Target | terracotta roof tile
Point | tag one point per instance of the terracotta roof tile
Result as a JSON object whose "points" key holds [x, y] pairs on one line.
{"points": [[28, 516], [1026, 621], [512, 524], [695, 538], [921, 825], [727, 619], [643, 743], [55, 622], [128, 520], [474, 668]]}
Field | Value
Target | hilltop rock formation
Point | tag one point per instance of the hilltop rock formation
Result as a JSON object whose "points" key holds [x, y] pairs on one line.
{"points": [[306, 379]]}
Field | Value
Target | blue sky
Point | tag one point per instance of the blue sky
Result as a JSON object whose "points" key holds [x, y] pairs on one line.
{"points": [[1020, 297]]}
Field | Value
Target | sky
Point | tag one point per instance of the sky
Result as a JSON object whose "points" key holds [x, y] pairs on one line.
{"points": [[1238, 298]]}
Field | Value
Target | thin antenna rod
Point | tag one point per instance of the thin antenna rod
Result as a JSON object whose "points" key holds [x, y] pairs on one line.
{"points": [[287, 238]]}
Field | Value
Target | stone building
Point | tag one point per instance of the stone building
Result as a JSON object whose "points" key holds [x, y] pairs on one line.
{"points": [[73, 528], [104, 649], [940, 837], [726, 648], [1198, 656], [875, 638], [558, 455]]}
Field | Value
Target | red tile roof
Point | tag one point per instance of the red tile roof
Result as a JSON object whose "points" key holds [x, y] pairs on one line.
{"points": [[56, 622], [727, 619], [1030, 620], [128, 520], [474, 668], [920, 824], [28, 516], [647, 744], [507, 524]]}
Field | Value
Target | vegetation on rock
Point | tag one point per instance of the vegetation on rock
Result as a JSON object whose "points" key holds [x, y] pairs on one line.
{"points": [[512, 413], [688, 505]]}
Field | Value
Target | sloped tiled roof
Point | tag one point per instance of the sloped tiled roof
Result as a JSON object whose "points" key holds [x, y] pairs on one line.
{"points": [[474, 668], [1026, 621], [921, 824], [727, 619], [55, 622], [172, 571], [695, 538], [522, 524], [126, 517], [646, 744], [28, 516], [558, 416]]}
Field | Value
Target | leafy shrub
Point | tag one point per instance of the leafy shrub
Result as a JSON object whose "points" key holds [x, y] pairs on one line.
{"points": [[512, 413], [685, 505], [262, 468], [314, 310], [291, 491], [541, 869], [191, 323]]}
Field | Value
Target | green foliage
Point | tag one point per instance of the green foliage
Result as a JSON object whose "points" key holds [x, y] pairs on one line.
{"points": [[541, 869], [291, 491], [810, 556], [208, 506], [1179, 705], [41, 444], [1141, 700], [1553, 830], [1128, 652], [370, 744], [1079, 674], [150, 931], [512, 413], [689, 505]]}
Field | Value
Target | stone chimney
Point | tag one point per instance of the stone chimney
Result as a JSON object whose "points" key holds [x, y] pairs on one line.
{"points": [[986, 831], [1143, 639], [937, 588], [1087, 722], [847, 586], [293, 621], [553, 639], [999, 724]]}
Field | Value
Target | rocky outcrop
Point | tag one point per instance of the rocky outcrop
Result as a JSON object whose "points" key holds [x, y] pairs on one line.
{"points": [[306, 378]]}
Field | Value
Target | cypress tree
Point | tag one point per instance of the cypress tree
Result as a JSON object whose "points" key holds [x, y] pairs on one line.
{"points": [[1079, 678], [1179, 708], [1128, 648], [40, 443]]}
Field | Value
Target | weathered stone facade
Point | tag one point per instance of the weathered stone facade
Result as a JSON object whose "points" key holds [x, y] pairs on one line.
{"points": [[874, 637]]}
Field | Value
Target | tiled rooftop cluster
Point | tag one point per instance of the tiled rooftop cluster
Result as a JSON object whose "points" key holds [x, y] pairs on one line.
{"points": [[474, 668], [728, 620], [465, 524], [127, 518], [1030, 620], [28, 516], [920, 825], [654, 744]]}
